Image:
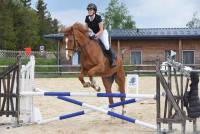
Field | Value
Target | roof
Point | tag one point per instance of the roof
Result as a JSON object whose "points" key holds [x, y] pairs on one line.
{"points": [[146, 33], [155, 33], [58, 36]]}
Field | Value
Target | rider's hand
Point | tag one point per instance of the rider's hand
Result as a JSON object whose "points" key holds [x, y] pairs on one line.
{"points": [[93, 36]]}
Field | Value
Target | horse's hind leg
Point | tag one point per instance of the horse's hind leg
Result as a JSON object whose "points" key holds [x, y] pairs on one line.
{"points": [[107, 82], [120, 80]]}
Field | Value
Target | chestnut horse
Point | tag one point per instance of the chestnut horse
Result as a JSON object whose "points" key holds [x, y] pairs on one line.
{"points": [[93, 61]]}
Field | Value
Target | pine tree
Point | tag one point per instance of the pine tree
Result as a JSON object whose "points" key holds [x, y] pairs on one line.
{"points": [[41, 9], [26, 3], [46, 25], [7, 33], [21, 26], [26, 27]]}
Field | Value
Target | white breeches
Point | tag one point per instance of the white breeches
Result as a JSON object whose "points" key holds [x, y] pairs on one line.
{"points": [[104, 38]]}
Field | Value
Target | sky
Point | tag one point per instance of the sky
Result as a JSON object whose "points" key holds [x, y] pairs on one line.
{"points": [[146, 13]]}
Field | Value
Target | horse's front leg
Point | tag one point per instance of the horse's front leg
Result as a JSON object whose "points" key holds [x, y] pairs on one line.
{"points": [[97, 69], [81, 78]]}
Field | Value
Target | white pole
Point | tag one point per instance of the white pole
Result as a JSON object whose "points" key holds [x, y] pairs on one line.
{"points": [[30, 94], [88, 94], [48, 120], [144, 124]]}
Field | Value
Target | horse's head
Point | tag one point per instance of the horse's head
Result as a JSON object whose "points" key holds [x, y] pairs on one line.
{"points": [[71, 37], [69, 41]]}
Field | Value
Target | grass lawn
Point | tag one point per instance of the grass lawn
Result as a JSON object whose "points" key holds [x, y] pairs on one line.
{"points": [[7, 61], [39, 61], [46, 62]]}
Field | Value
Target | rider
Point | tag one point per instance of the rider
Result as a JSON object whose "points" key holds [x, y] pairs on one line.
{"points": [[94, 22]]}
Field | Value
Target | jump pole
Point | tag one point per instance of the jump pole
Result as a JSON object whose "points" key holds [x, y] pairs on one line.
{"points": [[87, 94], [62, 117], [108, 112]]}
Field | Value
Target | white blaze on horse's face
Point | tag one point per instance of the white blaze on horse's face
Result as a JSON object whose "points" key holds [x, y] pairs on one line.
{"points": [[67, 51]]}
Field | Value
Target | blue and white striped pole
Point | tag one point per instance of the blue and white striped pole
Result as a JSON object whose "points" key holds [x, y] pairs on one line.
{"points": [[62, 117], [125, 102], [88, 94], [132, 120]]}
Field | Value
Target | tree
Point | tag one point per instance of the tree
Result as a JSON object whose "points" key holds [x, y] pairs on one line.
{"points": [[41, 9], [26, 3], [116, 16], [46, 24], [7, 33], [26, 28], [21, 26], [195, 22]]}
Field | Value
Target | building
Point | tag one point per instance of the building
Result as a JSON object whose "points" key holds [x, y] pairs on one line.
{"points": [[143, 46]]}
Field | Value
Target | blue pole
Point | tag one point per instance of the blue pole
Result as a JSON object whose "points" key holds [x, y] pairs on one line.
{"points": [[122, 103], [108, 112], [132, 120], [70, 100], [56, 93], [71, 115], [110, 95]]}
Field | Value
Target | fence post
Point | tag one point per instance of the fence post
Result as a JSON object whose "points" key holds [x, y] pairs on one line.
{"points": [[158, 97], [29, 113]]}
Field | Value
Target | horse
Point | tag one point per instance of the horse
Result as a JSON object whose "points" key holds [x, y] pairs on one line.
{"points": [[93, 61]]}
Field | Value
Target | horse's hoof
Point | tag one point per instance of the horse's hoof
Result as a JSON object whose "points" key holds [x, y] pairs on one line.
{"points": [[98, 89], [123, 112], [86, 84]]}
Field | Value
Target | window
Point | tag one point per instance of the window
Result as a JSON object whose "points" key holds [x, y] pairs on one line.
{"points": [[188, 57], [136, 57]]}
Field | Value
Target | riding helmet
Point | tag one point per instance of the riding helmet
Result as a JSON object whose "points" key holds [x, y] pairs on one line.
{"points": [[92, 6]]}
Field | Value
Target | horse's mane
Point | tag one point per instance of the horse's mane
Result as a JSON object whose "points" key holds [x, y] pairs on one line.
{"points": [[81, 27], [76, 26]]}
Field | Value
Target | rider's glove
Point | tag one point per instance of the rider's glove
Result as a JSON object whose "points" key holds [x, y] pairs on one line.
{"points": [[93, 36]]}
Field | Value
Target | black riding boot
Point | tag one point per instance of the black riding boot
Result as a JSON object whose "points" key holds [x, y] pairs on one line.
{"points": [[112, 57]]}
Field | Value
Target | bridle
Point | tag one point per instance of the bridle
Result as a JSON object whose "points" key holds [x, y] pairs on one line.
{"points": [[76, 47]]}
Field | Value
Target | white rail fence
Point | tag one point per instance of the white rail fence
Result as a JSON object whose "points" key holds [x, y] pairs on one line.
{"points": [[73, 69], [37, 54]]}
